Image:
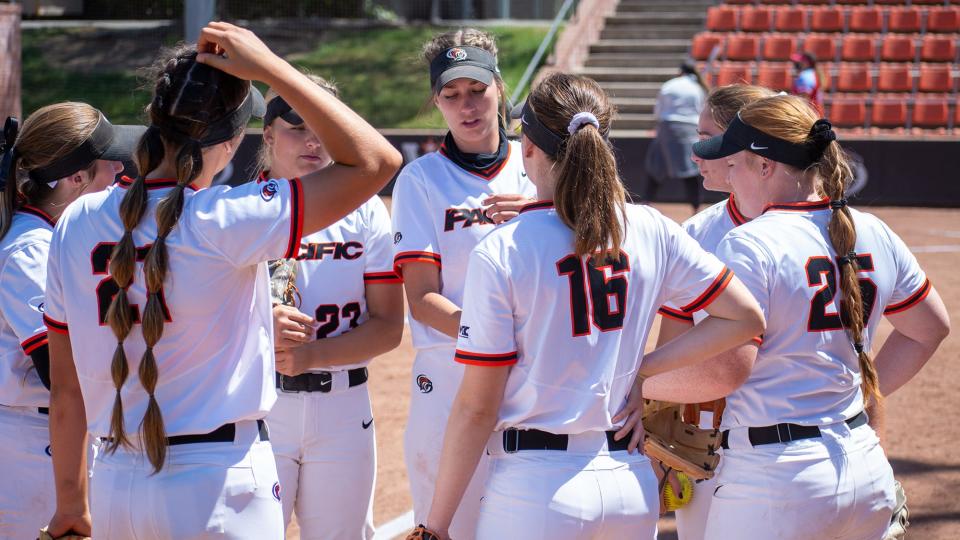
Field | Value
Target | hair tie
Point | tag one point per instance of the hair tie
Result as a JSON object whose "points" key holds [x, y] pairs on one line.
{"points": [[838, 204], [581, 119], [858, 347], [821, 133], [849, 258]]}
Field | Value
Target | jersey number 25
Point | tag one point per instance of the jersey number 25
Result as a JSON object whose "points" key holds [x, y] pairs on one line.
{"points": [[108, 288], [608, 295], [822, 268]]}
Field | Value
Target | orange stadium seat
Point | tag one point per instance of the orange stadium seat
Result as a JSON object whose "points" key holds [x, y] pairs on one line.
{"points": [[898, 48], [776, 76], [848, 111], [854, 78], [939, 48], [778, 46], [894, 78], [742, 47], [734, 73], [703, 44], [822, 47], [866, 19], [956, 116], [756, 19], [943, 19], [790, 19], [931, 112], [721, 19], [935, 78], [905, 19], [826, 19], [859, 48], [889, 112]]}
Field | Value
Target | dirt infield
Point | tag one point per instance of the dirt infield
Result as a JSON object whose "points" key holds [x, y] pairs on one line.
{"points": [[920, 432]]}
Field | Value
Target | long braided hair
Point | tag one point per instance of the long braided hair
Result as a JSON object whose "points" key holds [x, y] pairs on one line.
{"points": [[187, 97]]}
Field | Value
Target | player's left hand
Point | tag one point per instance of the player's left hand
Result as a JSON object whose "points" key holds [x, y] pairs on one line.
{"points": [[504, 206], [291, 327], [632, 417], [291, 362]]}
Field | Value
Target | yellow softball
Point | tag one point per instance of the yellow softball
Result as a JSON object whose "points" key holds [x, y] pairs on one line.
{"points": [[670, 500]]}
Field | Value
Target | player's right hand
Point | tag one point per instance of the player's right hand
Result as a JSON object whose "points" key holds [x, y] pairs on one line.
{"points": [[291, 327], [235, 50], [64, 523], [632, 417]]}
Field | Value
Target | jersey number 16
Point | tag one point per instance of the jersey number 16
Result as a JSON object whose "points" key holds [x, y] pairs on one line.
{"points": [[607, 295]]}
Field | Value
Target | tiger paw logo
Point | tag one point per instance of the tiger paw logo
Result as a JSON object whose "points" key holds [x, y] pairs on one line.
{"points": [[457, 54], [424, 383], [276, 491], [397, 238], [269, 190]]}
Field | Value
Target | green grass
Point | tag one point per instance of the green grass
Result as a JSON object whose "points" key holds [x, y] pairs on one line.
{"points": [[377, 70]]}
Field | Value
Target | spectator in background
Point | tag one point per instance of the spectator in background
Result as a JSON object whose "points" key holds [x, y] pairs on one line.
{"points": [[810, 80], [677, 110]]}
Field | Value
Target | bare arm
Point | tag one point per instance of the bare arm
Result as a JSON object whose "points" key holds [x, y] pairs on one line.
{"points": [[671, 328], [421, 281], [381, 333], [708, 380], [917, 333], [474, 415], [363, 160], [68, 441]]}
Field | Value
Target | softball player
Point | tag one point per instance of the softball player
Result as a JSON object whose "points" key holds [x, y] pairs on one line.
{"points": [[557, 305], [200, 464], [63, 151], [707, 228], [443, 204], [322, 426], [799, 459]]}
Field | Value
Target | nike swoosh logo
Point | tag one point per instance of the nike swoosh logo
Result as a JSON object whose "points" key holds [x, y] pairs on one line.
{"points": [[366, 424], [753, 146]]}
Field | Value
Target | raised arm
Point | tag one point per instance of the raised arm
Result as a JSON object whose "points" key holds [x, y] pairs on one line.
{"points": [[917, 333]]}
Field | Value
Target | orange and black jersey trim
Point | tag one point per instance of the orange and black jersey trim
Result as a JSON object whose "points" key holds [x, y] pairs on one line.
{"points": [[735, 216], [296, 219], [34, 211], [405, 257], [382, 277], [480, 359], [913, 300], [537, 205], [712, 292], [675, 314], [34, 342], [488, 173], [154, 183], [55, 326], [803, 206]]}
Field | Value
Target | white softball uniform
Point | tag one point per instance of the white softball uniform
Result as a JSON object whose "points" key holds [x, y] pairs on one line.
{"points": [[573, 329], [325, 437], [438, 219], [838, 484], [215, 359], [708, 228], [27, 498]]}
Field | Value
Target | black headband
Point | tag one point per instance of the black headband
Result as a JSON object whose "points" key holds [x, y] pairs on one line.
{"points": [[459, 62], [742, 136], [227, 127], [108, 142], [542, 136], [278, 108]]}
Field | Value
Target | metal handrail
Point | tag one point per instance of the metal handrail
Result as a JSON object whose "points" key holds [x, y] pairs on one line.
{"points": [[538, 56]]}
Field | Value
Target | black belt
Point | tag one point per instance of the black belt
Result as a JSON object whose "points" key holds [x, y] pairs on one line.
{"points": [[515, 440], [782, 433], [224, 433], [44, 410], [318, 382]]}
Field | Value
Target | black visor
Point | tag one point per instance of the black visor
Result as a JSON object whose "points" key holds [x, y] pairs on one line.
{"points": [[545, 139], [107, 142], [462, 62], [741, 136], [278, 108], [227, 127]]}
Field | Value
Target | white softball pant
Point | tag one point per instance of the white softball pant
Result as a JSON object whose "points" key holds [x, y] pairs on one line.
{"points": [[692, 518], [436, 379], [27, 497], [207, 490], [326, 457], [838, 486], [574, 494]]}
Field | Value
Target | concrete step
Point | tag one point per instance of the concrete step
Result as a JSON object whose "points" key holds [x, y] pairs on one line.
{"points": [[645, 46], [631, 89], [634, 121], [650, 32], [635, 60], [665, 18], [603, 74], [634, 105]]}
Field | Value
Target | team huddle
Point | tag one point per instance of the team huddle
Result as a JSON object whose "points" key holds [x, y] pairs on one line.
{"points": [[157, 383]]}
